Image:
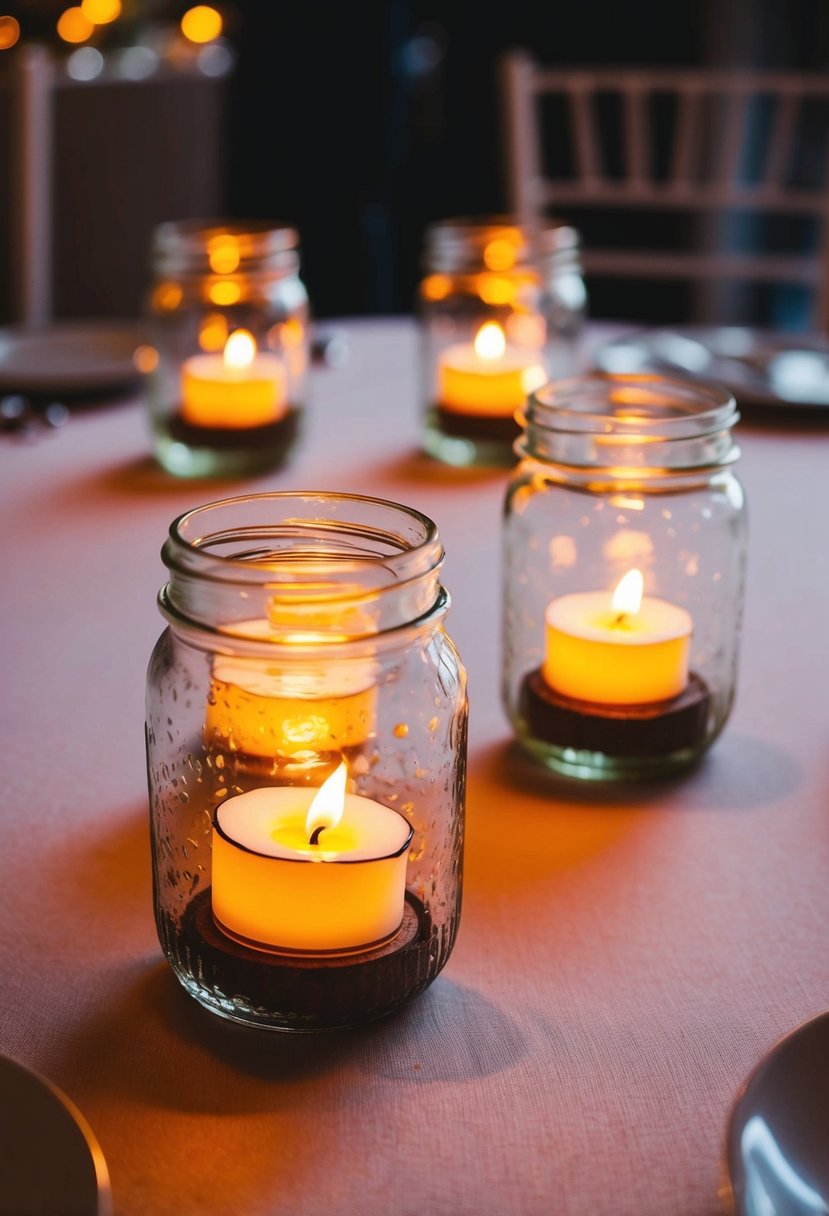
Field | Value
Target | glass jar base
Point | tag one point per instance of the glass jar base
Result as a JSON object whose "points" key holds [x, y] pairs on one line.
{"points": [[300, 992], [613, 742], [464, 440], [193, 451]]}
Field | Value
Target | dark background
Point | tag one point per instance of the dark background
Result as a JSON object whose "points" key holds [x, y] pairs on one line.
{"points": [[361, 123], [358, 123]]}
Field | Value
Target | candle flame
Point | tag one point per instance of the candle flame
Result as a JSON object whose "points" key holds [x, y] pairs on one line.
{"points": [[240, 349], [627, 598], [328, 805], [490, 342]]}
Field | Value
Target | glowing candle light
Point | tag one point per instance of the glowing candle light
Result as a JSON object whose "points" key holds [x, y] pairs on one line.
{"points": [[623, 649], [299, 870], [487, 377], [237, 388], [270, 707]]}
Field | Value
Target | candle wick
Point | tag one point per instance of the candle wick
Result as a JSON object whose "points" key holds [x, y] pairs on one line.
{"points": [[315, 835], [620, 619]]}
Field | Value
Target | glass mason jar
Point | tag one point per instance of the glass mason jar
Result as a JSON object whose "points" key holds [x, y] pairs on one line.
{"points": [[227, 360], [500, 312], [623, 569], [305, 662]]}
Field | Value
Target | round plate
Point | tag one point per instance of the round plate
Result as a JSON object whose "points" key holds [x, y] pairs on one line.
{"points": [[50, 1161], [778, 1133], [760, 367], [68, 357]]}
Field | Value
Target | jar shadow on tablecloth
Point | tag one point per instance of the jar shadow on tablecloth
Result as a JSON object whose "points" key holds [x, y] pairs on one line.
{"points": [[164, 1050], [142, 475], [742, 772], [416, 467]]}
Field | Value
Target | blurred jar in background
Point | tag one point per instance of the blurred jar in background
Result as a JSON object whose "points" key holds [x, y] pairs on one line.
{"points": [[227, 361], [500, 313]]}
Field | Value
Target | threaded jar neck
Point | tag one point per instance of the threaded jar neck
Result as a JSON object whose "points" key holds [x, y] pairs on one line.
{"points": [[302, 570], [630, 427], [203, 247], [498, 243]]}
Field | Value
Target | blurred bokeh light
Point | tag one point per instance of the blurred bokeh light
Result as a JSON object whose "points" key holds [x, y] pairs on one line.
{"points": [[201, 23], [74, 25], [101, 12], [9, 32]]}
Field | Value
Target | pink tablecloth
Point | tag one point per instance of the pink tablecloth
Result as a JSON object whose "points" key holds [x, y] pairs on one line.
{"points": [[623, 961]]}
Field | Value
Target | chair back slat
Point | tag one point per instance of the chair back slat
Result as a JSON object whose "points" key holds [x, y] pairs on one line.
{"points": [[731, 146], [584, 133], [686, 140], [636, 143]]}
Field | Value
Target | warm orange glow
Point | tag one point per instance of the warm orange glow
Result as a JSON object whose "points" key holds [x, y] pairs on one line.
{"points": [[73, 26], [251, 721], [224, 292], [487, 378], [292, 333], [289, 337], [490, 342], [627, 598], [495, 289], [240, 349], [101, 12], [167, 297], [213, 332], [9, 32], [145, 358], [499, 254], [630, 653], [326, 809], [201, 23], [436, 287], [223, 254], [238, 388], [526, 329]]}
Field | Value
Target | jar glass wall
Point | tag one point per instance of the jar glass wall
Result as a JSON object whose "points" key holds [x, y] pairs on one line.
{"points": [[623, 573], [226, 368], [305, 648], [500, 311]]}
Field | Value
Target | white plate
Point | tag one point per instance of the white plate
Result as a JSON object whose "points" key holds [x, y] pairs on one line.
{"points": [[777, 1146], [51, 1160], [68, 357], [760, 367]]}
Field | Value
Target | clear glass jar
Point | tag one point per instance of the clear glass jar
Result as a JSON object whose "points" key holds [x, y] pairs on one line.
{"points": [[500, 312], [622, 474], [305, 631], [227, 361]]}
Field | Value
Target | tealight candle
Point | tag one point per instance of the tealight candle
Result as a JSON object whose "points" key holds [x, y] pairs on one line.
{"points": [[299, 870], [619, 650], [487, 378], [237, 389]]}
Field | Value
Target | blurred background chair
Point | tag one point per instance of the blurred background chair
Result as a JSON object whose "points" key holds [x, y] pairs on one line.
{"points": [[711, 183], [98, 147]]}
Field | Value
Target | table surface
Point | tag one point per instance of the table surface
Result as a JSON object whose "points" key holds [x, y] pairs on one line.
{"points": [[625, 957]]}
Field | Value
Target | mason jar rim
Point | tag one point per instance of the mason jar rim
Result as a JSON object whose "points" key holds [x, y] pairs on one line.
{"points": [[186, 247], [450, 241], [651, 405], [389, 559]]}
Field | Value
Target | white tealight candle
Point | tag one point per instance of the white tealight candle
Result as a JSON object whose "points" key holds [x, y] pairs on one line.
{"points": [[239, 388], [487, 377], [315, 871], [624, 650]]}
